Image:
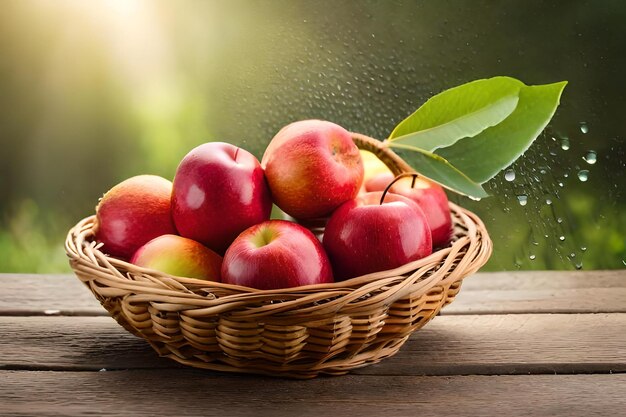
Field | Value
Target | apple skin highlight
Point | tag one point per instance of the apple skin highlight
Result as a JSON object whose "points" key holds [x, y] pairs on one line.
{"points": [[431, 198], [132, 213], [312, 167], [276, 254], [179, 256], [364, 236], [219, 191]]}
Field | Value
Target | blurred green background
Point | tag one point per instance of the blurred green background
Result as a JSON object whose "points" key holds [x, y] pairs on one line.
{"points": [[93, 92]]}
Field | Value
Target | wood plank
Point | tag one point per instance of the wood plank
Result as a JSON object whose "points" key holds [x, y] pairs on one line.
{"points": [[190, 392], [542, 292], [553, 280], [514, 344], [73, 343], [449, 345], [483, 293], [38, 294]]}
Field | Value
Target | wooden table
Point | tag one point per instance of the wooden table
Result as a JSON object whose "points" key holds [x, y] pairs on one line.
{"points": [[514, 344]]}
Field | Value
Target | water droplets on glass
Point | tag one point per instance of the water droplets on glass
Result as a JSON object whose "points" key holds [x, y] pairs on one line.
{"points": [[532, 257], [522, 199], [509, 175], [583, 175], [562, 238], [583, 127], [590, 157], [565, 143]]}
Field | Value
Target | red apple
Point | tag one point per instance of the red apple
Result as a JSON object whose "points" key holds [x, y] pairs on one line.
{"points": [[431, 198], [312, 166], [132, 213], [276, 254], [365, 236], [219, 191], [179, 256]]}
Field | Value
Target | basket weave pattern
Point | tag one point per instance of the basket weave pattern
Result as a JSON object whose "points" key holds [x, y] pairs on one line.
{"points": [[295, 332]]}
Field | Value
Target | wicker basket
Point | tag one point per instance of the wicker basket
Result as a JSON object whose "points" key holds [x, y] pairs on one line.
{"points": [[297, 332]]}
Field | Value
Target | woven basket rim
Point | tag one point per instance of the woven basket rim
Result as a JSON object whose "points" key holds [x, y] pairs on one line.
{"points": [[84, 251], [469, 237]]}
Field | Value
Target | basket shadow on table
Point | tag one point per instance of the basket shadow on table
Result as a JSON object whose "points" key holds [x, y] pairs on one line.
{"points": [[119, 350]]}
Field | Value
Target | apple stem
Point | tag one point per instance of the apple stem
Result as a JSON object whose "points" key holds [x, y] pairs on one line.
{"points": [[236, 153], [403, 175]]}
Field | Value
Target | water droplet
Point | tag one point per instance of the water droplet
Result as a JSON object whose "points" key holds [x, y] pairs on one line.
{"points": [[532, 257], [509, 175], [590, 158], [583, 127], [572, 255], [583, 248], [522, 199], [561, 238], [578, 265], [583, 175], [559, 220], [565, 144], [548, 201], [560, 184]]}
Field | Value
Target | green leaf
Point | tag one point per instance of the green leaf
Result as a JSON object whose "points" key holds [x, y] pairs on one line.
{"points": [[459, 112], [481, 157], [436, 168]]}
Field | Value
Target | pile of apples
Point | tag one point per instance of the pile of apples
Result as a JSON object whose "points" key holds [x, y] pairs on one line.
{"points": [[213, 221]]}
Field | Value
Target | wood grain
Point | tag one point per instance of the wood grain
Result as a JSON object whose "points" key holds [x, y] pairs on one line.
{"points": [[449, 345], [542, 292], [33, 294], [514, 344], [482, 293], [51, 327], [190, 392]]}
